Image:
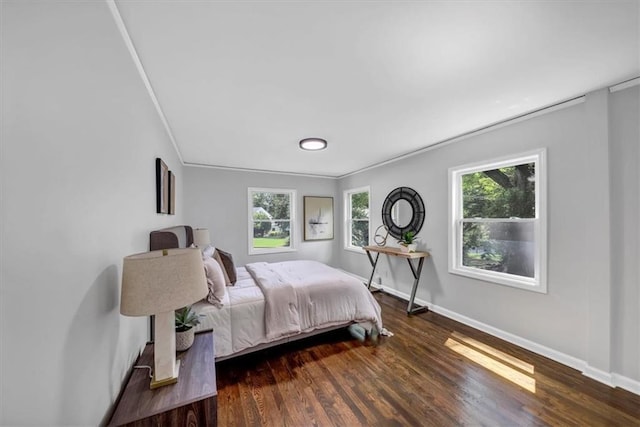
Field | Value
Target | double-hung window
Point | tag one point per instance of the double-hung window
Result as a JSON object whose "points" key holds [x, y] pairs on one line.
{"points": [[498, 221], [271, 220], [356, 203]]}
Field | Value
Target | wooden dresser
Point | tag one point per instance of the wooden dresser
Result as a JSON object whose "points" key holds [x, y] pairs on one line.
{"points": [[192, 401]]}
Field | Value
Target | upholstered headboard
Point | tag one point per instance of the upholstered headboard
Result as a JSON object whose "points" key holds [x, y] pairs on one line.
{"points": [[180, 236]]}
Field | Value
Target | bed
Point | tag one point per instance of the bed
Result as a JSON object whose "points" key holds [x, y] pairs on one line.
{"points": [[274, 303]]}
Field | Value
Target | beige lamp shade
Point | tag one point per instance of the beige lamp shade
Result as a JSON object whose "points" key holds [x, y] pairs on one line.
{"points": [[201, 237], [153, 283]]}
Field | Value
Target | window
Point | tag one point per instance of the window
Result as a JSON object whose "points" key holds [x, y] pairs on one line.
{"points": [[356, 204], [271, 219], [498, 221]]}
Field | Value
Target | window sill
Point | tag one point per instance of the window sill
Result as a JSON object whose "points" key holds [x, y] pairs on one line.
{"points": [[512, 281], [271, 251], [356, 250]]}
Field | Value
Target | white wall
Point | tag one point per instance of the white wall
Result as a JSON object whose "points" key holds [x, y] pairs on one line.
{"points": [[625, 232], [577, 315], [79, 141], [217, 199]]}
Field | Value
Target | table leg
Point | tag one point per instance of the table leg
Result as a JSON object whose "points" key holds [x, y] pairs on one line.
{"points": [[416, 279], [374, 263]]}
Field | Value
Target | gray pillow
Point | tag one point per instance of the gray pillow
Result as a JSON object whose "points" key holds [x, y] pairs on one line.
{"points": [[226, 260]]}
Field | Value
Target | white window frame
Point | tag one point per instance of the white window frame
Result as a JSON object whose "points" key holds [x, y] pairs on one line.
{"points": [[539, 282], [347, 217], [292, 218]]}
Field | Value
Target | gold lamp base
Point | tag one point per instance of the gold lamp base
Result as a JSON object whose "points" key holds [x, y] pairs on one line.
{"points": [[165, 365], [165, 381]]}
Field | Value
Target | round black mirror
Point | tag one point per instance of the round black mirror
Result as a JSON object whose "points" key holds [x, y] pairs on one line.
{"points": [[403, 211]]}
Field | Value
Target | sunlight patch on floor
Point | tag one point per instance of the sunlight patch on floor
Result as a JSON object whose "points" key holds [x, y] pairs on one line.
{"points": [[494, 360], [513, 361]]}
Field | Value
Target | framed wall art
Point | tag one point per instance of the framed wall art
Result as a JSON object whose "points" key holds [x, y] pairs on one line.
{"points": [[162, 187], [318, 218], [172, 193]]}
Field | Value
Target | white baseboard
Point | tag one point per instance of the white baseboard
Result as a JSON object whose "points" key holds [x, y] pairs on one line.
{"points": [[610, 379], [598, 375], [626, 383]]}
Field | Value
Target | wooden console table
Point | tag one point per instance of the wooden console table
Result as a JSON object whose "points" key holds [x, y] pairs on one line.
{"points": [[391, 251], [191, 401]]}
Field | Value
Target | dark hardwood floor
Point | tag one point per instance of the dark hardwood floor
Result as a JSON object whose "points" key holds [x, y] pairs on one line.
{"points": [[432, 372]]}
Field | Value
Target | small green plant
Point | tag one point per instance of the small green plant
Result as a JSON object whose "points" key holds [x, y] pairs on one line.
{"points": [[408, 238], [186, 319]]}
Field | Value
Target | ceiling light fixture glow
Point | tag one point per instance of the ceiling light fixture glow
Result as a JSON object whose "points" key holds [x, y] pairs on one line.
{"points": [[313, 144]]}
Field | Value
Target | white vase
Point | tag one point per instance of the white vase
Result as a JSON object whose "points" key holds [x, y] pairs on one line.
{"points": [[404, 247], [184, 339]]}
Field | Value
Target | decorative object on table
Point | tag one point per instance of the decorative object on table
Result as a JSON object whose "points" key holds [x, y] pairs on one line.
{"points": [[407, 242], [378, 238], [186, 320], [402, 211], [318, 218], [172, 193], [157, 283], [162, 186], [201, 238]]}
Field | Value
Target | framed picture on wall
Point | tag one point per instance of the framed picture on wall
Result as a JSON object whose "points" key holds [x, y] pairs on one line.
{"points": [[172, 193], [162, 186], [318, 218]]}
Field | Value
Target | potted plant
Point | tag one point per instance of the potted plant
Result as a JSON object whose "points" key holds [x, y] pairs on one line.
{"points": [[407, 242], [186, 319]]}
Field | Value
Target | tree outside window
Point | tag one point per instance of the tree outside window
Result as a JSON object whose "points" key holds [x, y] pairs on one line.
{"points": [[271, 213], [357, 218], [500, 194], [497, 229]]}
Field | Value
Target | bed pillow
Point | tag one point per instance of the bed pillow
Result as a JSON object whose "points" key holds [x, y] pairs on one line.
{"points": [[215, 281], [208, 252], [226, 261]]}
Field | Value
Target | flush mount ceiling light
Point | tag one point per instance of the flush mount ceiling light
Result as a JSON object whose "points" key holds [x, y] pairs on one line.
{"points": [[313, 144]]}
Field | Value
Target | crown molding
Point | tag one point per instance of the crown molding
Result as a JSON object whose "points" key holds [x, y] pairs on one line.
{"points": [[122, 28]]}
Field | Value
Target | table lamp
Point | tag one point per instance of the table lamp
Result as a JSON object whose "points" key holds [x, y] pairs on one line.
{"points": [[201, 238], [157, 283]]}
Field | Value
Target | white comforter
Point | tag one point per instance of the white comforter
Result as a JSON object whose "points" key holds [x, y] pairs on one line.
{"points": [[301, 296]]}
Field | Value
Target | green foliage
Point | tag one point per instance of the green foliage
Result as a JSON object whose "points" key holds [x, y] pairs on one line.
{"points": [[186, 319], [278, 206], [360, 205], [261, 224], [360, 233], [499, 194], [408, 238], [360, 219]]}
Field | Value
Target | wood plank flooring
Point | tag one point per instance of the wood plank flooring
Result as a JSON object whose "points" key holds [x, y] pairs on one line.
{"points": [[432, 372]]}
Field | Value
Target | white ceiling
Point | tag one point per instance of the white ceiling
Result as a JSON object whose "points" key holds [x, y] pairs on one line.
{"points": [[240, 83]]}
